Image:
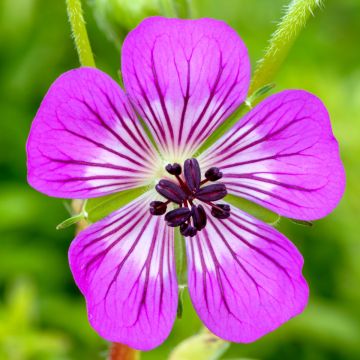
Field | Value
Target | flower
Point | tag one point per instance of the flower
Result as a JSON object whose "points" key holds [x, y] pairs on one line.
{"points": [[184, 78]]}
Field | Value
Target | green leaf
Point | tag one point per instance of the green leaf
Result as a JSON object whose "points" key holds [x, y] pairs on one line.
{"points": [[258, 94], [302, 222], [98, 208], [254, 209], [204, 346], [71, 221]]}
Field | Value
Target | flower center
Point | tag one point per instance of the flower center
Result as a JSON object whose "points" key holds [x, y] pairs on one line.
{"points": [[186, 192]]}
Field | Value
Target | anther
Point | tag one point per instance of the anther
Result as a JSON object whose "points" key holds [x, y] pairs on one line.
{"points": [[198, 216], [187, 230], [192, 174], [158, 207], [173, 169], [186, 191], [213, 174], [178, 216], [171, 191], [221, 211], [211, 192]]}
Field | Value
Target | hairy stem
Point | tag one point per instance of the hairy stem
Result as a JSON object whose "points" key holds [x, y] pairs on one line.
{"points": [[294, 20], [79, 33]]}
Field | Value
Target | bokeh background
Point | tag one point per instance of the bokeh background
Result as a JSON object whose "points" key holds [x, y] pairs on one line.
{"points": [[42, 315]]}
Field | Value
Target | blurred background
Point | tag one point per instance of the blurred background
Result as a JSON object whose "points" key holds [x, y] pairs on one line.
{"points": [[42, 314]]}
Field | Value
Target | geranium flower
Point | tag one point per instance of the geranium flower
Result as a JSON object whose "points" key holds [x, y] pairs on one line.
{"points": [[184, 78]]}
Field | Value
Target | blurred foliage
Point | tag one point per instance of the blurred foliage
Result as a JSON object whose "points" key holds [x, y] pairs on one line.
{"points": [[42, 314], [202, 346]]}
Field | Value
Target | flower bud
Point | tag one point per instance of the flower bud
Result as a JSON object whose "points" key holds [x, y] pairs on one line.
{"points": [[117, 17]]}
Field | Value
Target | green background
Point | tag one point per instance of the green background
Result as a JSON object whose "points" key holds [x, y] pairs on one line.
{"points": [[42, 314]]}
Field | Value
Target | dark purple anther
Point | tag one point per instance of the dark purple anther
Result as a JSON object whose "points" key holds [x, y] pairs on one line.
{"points": [[221, 211], [211, 192], [171, 191], [192, 174], [178, 216], [198, 216], [187, 230], [173, 169], [187, 190], [158, 208], [213, 174]]}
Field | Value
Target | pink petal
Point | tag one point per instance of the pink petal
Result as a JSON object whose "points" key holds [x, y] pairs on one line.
{"points": [[85, 140], [283, 155], [185, 77], [244, 277], [124, 265]]}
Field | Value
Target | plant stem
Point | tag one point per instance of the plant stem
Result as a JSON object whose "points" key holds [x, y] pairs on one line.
{"points": [[294, 20], [79, 33], [123, 352]]}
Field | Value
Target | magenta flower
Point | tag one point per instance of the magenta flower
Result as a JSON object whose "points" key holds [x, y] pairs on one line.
{"points": [[184, 78]]}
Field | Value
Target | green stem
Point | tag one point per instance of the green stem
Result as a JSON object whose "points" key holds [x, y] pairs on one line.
{"points": [[79, 33], [295, 18]]}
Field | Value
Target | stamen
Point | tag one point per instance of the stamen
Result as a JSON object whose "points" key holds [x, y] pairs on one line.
{"points": [[187, 230], [212, 192], [183, 185], [221, 211], [171, 191], [199, 217], [190, 216], [173, 169], [158, 207], [178, 216], [192, 174], [213, 174]]}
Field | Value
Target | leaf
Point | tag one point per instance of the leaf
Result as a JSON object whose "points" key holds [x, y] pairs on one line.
{"points": [[70, 221], [98, 208], [253, 98], [302, 222]]}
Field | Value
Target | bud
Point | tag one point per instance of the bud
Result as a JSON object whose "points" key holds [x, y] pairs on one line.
{"points": [[117, 17]]}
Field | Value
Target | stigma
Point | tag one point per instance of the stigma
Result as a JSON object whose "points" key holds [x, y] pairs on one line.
{"points": [[190, 194]]}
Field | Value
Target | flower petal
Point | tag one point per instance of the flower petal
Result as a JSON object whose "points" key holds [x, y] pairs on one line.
{"points": [[85, 140], [282, 155], [185, 77], [244, 277], [124, 265]]}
